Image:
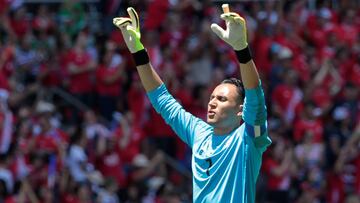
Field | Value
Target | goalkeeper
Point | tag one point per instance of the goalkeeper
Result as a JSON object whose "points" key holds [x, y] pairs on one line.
{"points": [[226, 156]]}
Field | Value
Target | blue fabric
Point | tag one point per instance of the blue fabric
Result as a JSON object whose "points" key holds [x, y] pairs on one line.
{"points": [[251, 131], [225, 168]]}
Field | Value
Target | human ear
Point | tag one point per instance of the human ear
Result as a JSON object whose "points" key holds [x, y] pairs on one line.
{"points": [[240, 110]]}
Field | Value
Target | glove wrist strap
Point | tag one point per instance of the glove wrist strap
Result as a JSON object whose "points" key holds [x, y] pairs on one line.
{"points": [[141, 57], [243, 55]]}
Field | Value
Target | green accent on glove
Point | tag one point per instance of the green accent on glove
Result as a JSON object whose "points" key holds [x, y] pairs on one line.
{"points": [[235, 33], [130, 29]]}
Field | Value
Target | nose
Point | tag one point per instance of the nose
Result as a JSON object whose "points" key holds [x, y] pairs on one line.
{"points": [[212, 104]]}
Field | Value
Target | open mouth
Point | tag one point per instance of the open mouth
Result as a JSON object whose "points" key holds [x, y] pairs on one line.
{"points": [[211, 113]]}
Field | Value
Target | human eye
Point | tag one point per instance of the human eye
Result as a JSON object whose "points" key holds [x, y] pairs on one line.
{"points": [[222, 99]]}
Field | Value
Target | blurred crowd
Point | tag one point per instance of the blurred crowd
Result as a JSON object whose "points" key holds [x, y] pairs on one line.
{"points": [[76, 126]]}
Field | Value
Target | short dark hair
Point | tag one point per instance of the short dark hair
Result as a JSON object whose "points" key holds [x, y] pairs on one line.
{"points": [[239, 86]]}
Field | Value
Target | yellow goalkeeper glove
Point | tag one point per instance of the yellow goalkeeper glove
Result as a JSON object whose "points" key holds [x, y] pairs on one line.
{"points": [[130, 29], [235, 33]]}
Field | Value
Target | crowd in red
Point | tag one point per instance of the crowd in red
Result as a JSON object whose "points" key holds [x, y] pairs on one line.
{"points": [[117, 149]]}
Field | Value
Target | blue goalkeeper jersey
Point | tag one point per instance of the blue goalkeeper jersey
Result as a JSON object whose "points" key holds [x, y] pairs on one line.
{"points": [[225, 167]]}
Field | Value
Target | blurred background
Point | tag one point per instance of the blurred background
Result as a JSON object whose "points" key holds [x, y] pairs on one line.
{"points": [[76, 126]]}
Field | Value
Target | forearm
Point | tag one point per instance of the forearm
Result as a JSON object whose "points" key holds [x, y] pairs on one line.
{"points": [[148, 76], [73, 69], [119, 74], [111, 78], [320, 75], [249, 75]]}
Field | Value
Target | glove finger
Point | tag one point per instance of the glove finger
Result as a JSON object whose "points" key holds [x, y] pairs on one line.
{"points": [[239, 19], [218, 30], [121, 21], [231, 15], [134, 18]]}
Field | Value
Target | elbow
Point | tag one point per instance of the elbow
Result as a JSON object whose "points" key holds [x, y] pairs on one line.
{"points": [[253, 84]]}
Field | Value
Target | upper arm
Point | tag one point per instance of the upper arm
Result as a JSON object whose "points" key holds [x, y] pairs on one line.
{"points": [[259, 135], [249, 74], [183, 123], [254, 112], [255, 115]]}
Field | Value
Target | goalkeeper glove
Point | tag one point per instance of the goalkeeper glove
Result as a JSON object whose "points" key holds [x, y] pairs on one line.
{"points": [[235, 33], [130, 29]]}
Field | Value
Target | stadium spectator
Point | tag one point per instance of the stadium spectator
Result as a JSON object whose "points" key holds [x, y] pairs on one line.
{"points": [[307, 53]]}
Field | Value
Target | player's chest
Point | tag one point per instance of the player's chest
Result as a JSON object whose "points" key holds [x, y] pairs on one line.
{"points": [[213, 154], [211, 147]]}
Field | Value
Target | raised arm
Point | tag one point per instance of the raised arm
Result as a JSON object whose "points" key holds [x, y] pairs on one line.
{"points": [[254, 109], [235, 36], [183, 123], [130, 29]]}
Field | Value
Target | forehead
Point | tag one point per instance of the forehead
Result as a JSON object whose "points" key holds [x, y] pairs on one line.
{"points": [[228, 90]]}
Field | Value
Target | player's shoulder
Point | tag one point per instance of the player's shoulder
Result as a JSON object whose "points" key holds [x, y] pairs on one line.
{"points": [[203, 130], [240, 129]]}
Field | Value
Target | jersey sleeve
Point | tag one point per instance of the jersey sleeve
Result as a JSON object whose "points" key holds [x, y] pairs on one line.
{"points": [[185, 125], [255, 117]]}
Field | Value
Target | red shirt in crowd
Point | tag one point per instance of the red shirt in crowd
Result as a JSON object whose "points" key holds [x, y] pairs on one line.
{"points": [[111, 165], [293, 44], [262, 46], [52, 76], [349, 33], [133, 146], [157, 9], [136, 100], [274, 182], [69, 198], [4, 84], [50, 141], [157, 127], [321, 97], [335, 188], [317, 32], [355, 74], [306, 125], [300, 64], [80, 83], [104, 88], [20, 27], [357, 175], [4, 5], [39, 174], [282, 96], [7, 55]]}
